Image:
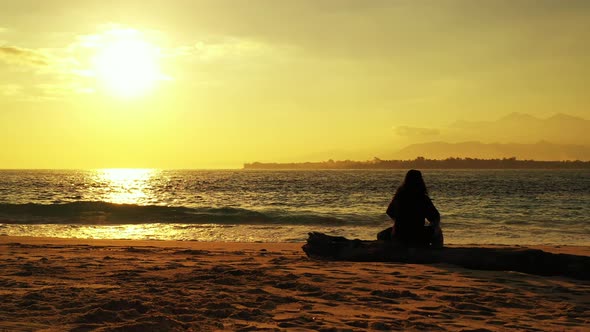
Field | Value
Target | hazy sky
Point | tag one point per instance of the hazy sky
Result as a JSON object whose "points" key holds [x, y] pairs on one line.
{"points": [[205, 84]]}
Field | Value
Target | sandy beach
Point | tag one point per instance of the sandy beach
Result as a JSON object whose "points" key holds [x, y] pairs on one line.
{"points": [[51, 284]]}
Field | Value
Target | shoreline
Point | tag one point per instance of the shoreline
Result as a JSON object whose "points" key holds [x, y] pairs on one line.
{"points": [[216, 245], [55, 284], [227, 245]]}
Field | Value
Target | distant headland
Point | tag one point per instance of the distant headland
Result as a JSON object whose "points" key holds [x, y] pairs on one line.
{"points": [[423, 163]]}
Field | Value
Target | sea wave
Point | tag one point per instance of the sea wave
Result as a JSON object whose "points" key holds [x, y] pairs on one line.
{"points": [[106, 213]]}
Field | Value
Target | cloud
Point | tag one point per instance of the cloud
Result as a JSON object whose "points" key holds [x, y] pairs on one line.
{"points": [[10, 89], [230, 47], [55, 73], [225, 49], [23, 56], [71, 68], [62, 71], [415, 131]]}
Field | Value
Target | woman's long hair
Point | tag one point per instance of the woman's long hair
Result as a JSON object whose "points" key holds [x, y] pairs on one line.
{"points": [[413, 185]]}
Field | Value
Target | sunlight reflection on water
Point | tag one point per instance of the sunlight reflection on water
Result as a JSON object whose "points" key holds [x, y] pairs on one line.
{"points": [[126, 185]]}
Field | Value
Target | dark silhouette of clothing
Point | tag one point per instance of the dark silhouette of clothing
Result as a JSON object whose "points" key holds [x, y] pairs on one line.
{"points": [[410, 211]]}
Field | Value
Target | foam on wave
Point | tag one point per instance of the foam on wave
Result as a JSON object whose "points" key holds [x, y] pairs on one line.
{"points": [[85, 212]]}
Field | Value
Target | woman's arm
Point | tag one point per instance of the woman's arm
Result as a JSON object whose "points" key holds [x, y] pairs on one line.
{"points": [[432, 213], [391, 209]]}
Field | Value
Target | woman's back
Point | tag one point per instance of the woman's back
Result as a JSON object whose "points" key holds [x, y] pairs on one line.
{"points": [[410, 208], [411, 211]]}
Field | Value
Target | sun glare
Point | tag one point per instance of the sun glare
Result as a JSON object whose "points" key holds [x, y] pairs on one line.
{"points": [[126, 64], [126, 185]]}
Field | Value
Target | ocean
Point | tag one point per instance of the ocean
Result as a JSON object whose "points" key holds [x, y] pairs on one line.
{"points": [[526, 207]]}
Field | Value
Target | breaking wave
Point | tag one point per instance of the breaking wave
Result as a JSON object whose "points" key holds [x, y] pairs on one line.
{"points": [[105, 213]]}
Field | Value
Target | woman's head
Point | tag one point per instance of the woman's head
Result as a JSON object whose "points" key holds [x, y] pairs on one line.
{"points": [[413, 184]]}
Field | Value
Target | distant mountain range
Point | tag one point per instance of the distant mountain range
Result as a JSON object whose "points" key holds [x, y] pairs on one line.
{"points": [[558, 137], [540, 151], [464, 155], [523, 128]]}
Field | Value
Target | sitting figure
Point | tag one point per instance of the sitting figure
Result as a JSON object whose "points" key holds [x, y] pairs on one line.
{"points": [[409, 208]]}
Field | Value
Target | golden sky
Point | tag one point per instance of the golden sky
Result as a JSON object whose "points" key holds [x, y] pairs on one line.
{"points": [[214, 84]]}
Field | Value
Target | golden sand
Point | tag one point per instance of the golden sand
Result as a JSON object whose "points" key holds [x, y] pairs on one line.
{"points": [[112, 285]]}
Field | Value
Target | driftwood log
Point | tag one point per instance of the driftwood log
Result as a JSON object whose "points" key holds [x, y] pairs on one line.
{"points": [[532, 261]]}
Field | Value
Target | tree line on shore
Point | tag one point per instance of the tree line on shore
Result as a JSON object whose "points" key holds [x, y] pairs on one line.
{"points": [[424, 163]]}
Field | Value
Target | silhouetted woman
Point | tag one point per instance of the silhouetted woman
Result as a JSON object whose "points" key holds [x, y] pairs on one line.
{"points": [[409, 209]]}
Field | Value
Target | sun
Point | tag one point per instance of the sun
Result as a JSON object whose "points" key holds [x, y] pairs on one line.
{"points": [[126, 64]]}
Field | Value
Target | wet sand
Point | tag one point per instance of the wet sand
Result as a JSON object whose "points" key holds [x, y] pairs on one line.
{"points": [[112, 285]]}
